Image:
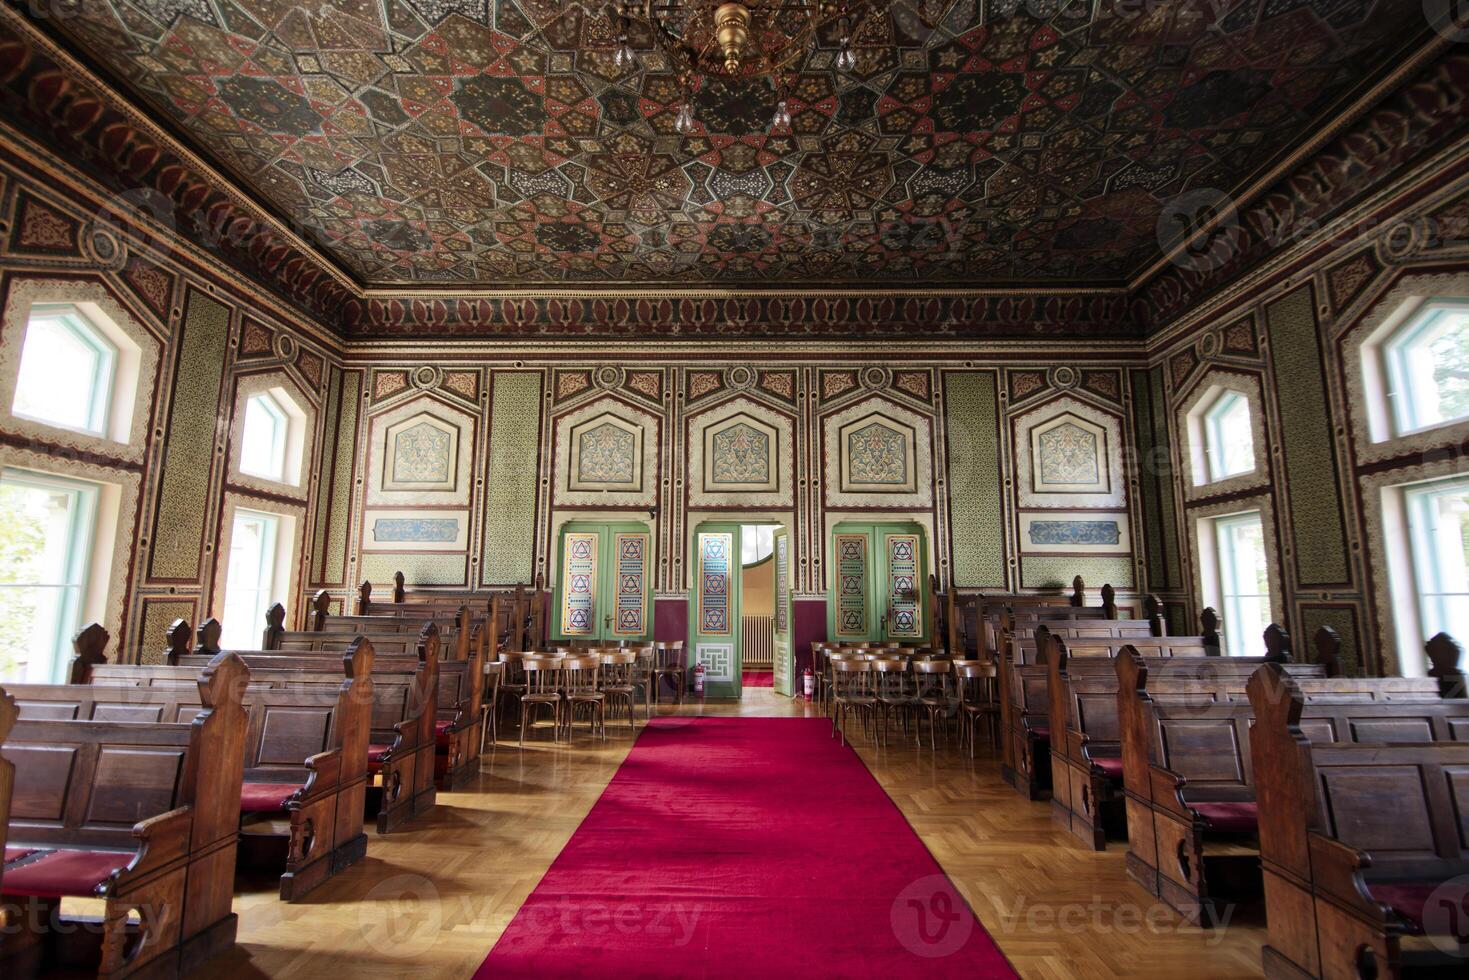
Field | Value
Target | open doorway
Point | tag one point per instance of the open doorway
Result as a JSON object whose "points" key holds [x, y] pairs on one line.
{"points": [[757, 605], [739, 602]]}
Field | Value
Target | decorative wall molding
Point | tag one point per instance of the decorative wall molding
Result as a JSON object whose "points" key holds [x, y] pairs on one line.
{"points": [[1069, 455], [877, 454], [740, 454], [621, 441]]}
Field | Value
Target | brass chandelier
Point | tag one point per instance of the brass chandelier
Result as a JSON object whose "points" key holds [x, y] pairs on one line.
{"points": [[736, 40]]}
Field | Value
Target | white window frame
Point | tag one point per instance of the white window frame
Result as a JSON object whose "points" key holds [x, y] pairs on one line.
{"points": [[1215, 448], [1405, 392], [280, 438], [1215, 567], [99, 411], [1412, 577], [266, 586], [81, 541]]}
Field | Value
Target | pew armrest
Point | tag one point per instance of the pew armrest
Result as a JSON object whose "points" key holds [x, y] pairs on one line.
{"points": [[1167, 793], [162, 840], [324, 775], [1336, 872]]}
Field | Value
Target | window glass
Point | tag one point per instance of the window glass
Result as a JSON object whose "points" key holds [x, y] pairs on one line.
{"points": [[1428, 370], [757, 541], [1438, 524], [263, 439], [1244, 582], [250, 578], [1230, 437], [66, 369], [45, 546]]}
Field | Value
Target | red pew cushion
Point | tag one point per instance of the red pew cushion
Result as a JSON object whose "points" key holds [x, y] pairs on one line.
{"points": [[64, 873], [16, 853], [1229, 818], [1111, 765], [376, 753], [1407, 900], [1040, 731], [266, 797], [440, 727]]}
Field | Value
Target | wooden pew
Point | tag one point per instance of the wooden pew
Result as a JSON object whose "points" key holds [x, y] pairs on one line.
{"points": [[519, 620], [144, 816], [1189, 786], [401, 748], [460, 680], [1086, 741], [1355, 838], [305, 758], [1024, 704]]}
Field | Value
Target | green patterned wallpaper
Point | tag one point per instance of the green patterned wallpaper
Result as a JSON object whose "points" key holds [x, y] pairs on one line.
{"points": [[339, 492], [178, 532], [446, 569], [331, 426], [1057, 571], [1312, 489], [975, 505], [158, 616], [512, 479], [1155, 480]]}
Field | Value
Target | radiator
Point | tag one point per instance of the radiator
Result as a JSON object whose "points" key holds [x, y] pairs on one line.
{"points": [[757, 642]]}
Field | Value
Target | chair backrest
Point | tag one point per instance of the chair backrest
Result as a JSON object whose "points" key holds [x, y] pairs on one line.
{"points": [[618, 666], [668, 653], [978, 681], [542, 674], [581, 672]]}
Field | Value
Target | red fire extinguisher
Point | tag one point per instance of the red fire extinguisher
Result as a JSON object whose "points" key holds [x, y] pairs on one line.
{"points": [[808, 681], [699, 679]]}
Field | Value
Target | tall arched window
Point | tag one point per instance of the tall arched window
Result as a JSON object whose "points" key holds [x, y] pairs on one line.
{"points": [[67, 368], [1426, 366]]}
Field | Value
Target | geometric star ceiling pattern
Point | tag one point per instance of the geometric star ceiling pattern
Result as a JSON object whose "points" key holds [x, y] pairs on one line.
{"points": [[494, 143]]}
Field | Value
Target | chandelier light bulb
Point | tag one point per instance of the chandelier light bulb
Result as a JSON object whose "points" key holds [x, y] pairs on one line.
{"points": [[684, 123], [846, 59], [625, 56]]}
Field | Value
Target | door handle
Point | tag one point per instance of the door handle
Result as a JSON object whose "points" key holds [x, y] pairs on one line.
{"points": [[607, 620]]}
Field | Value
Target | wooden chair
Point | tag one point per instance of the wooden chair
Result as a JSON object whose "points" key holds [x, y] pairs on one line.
{"points": [[542, 688], [851, 691], [892, 690], [933, 681], [619, 681], [669, 662], [580, 679], [979, 700], [489, 727]]}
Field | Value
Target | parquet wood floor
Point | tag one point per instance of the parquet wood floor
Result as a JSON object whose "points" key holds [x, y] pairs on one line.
{"points": [[432, 900]]}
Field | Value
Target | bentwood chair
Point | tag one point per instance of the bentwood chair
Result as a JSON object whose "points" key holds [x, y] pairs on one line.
{"points": [[580, 676], [668, 661], [893, 692], [979, 701], [933, 680], [490, 699], [619, 685], [851, 691], [542, 689]]}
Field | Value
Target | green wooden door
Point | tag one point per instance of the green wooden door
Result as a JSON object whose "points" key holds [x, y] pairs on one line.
{"points": [[785, 661], [879, 583], [602, 592], [714, 626]]}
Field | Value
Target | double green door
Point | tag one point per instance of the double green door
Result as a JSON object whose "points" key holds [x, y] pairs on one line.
{"points": [[602, 589], [879, 583]]}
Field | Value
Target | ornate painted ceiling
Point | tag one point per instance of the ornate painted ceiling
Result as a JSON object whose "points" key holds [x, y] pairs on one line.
{"points": [[463, 143]]}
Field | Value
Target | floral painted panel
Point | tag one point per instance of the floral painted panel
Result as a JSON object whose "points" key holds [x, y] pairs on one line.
{"points": [[877, 455], [430, 530], [715, 551], [607, 454], [905, 597], [741, 456], [1068, 456], [630, 618], [851, 616], [579, 592], [1074, 532], [422, 455]]}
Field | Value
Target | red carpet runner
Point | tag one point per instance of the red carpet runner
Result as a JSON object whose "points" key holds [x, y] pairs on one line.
{"points": [[744, 847], [757, 678]]}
